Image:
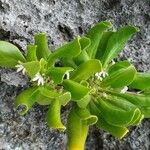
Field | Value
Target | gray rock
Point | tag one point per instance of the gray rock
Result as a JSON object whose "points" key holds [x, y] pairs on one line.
{"points": [[62, 20]]}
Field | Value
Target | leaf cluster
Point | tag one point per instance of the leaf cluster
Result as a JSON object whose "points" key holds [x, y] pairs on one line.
{"points": [[88, 79]]}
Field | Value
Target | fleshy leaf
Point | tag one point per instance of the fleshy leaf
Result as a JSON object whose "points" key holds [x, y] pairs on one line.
{"points": [[120, 78], [26, 99], [103, 44], [77, 90], [117, 42], [77, 131], [68, 50], [31, 53], [53, 116], [64, 98], [32, 68], [57, 73], [116, 131], [140, 100], [118, 65], [42, 50], [86, 70], [141, 81], [95, 34], [10, 55], [83, 56], [85, 116], [117, 112], [83, 102]]}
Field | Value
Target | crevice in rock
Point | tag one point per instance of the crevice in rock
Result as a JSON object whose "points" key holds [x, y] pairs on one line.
{"points": [[66, 32], [4, 35]]}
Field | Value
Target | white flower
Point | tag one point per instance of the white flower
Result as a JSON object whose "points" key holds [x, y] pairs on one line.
{"points": [[38, 77], [124, 90], [101, 75], [20, 67]]}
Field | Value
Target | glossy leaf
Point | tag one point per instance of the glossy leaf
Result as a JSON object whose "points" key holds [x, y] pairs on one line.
{"points": [[57, 74], [117, 42], [77, 129], [117, 111], [140, 100], [95, 34], [83, 102], [9, 55], [103, 44], [64, 98], [26, 99], [53, 116], [31, 53], [120, 78], [42, 50], [83, 56], [116, 131], [77, 90], [68, 50], [86, 70], [141, 81], [32, 68], [85, 116], [119, 65]]}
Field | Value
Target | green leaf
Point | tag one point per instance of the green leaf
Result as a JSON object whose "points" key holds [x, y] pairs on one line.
{"points": [[117, 66], [57, 74], [48, 93], [120, 78], [64, 98], [117, 112], [31, 53], [140, 100], [32, 68], [83, 56], [26, 99], [45, 96], [85, 116], [9, 55], [83, 102], [77, 90], [141, 81], [86, 70], [68, 50], [77, 131], [42, 50], [43, 65], [103, 44], [117, 42], [95, 34], [116, 131], [53, 116]]}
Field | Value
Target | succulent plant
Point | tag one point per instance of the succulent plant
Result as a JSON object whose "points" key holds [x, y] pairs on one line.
{"points": [[111, 95]]}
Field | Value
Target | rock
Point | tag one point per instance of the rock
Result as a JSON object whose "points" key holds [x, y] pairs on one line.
{"points": [[62, 20]]}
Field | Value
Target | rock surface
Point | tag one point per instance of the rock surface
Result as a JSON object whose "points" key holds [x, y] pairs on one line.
{"points": [[63, 20]]}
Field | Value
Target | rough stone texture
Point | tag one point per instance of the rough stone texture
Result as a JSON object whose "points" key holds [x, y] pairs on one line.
{"points": [[63, 20]]}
